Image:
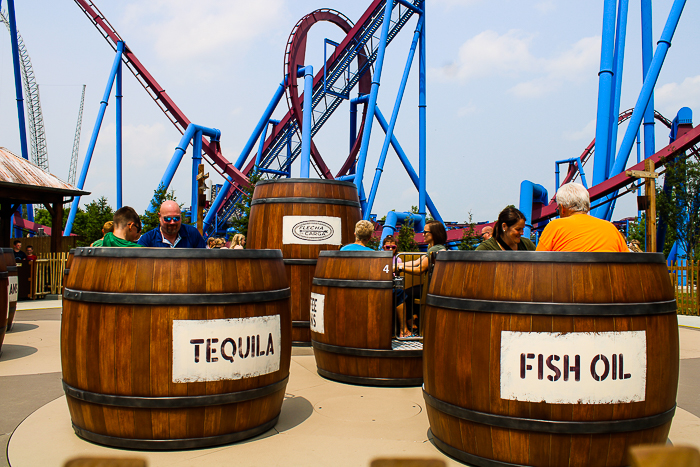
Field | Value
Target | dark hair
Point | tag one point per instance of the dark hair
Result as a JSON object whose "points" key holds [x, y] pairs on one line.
{"points": [[124, 215], [509, 216], [387, 239], [30, 246], [437, 230], [16, 242]]}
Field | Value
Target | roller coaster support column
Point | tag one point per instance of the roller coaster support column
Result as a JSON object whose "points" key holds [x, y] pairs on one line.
{"points": [[219, 200], [647, 54], [118, 95], [308, 73], [376, 78], [422, 108], [18, 90], [644, 96], [392, 123], [192, 130], [258, 158], [531, 193], [393, 218], [618, 63], [601, 162], [93, 138], [196, 161]]}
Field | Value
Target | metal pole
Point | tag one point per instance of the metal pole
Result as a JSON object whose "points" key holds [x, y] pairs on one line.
{"points": [[618, 64], [18, 79], [605, 79], [93, 138], [422, 107], [118, 95], [196, 161], [392, 122], [305, 156], [376, 78], [647, 54]]}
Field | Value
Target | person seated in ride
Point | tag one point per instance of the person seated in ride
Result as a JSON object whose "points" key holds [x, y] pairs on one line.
{"points": [[107, 227], [172, 233], [577, 230], [486, 233], [507, 233], [127, 229], [363, 233], [389, 245], [238, 242], [435, 234]]}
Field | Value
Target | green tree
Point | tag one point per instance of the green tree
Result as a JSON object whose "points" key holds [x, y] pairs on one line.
{"points": [[239, 220], [149, 219], [406, 241], [470, 240], [680, 208], [373, 243]]}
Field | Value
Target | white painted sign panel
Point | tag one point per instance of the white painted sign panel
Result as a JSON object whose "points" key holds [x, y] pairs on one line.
{"points": [[223, 349], [13, 290], [316, 312], [311, 230], [574, 368]]}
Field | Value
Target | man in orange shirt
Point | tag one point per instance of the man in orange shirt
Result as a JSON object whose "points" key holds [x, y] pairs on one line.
{"points": [[576, 230]]}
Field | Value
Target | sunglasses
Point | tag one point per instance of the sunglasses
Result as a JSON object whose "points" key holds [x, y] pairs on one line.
{"points": [[137, 226], [426, 232], [389, 247], [171, 218]]}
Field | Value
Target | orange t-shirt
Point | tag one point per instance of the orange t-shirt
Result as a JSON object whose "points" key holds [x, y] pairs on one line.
{"points": [[581, 232]]}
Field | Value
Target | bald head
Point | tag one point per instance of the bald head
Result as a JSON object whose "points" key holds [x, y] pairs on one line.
{"points": [[170, 219]]}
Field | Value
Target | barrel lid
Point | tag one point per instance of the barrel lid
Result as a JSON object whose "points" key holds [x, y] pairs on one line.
{"points": [[176, 253], [355, 254], [550, 257], [307, 180]]}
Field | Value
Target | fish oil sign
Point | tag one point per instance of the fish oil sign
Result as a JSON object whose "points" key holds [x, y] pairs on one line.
{"points": [[316, 312], [223, 349], [316, 230], [13, 289], [574, 368]]}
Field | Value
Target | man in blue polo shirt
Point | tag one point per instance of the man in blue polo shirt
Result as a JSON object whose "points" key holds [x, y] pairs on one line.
{"points": [[172, 233]]}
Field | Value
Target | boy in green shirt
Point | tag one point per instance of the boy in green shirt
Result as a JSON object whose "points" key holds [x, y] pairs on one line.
{"points": [[127, 229]]}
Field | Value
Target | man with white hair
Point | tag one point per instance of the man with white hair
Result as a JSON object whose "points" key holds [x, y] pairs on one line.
{"points": [[576, 230]]}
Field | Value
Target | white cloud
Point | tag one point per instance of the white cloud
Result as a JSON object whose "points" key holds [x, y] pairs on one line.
{"points": [[491, 54], [182, 30], [670, 97], [586, 133], [546, 6]]}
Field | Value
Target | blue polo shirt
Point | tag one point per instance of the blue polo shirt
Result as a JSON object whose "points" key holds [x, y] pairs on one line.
{"points": [[188, 237]]}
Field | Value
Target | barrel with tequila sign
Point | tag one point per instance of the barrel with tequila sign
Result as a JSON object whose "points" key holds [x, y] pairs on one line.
{"points": [[302, 217], [541, 358], [174, 348]]}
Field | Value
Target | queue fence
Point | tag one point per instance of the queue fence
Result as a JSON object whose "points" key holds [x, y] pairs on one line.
{"points": [[684, 277], [47, 274]]}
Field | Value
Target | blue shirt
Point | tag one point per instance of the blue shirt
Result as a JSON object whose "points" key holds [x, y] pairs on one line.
{"points": [[355, 247], [188, 237]]}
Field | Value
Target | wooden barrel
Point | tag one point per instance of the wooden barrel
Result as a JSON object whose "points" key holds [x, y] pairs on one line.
{"points": [[11, 266], [541, 358], [4, 298], [174, 348], [302, 217], [352, 322]]}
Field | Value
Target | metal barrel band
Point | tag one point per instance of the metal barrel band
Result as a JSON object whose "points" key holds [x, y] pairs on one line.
{"points": [[176, 253], [375, 353], [466, 457], [179, 299], [174, 402], [307, 180], [550, 426], [66, 272], [301, 324], [352, 284], [4, 274], [11, 268], [355, 254], [299, 200], [173, 444], [542, 308], [300, 262], [370, 380], [549, 257]]}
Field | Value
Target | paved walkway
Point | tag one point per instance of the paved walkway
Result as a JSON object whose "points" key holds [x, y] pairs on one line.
{"points": [[322, 422]]}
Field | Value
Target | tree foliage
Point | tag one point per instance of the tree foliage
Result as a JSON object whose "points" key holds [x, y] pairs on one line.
{"points": [[406, 241], [87, 223], [470, 240], [239, 221], [680, 207], [149, 219]]}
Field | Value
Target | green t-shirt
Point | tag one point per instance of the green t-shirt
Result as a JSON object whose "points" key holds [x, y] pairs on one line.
{"points": [[111, 240]]}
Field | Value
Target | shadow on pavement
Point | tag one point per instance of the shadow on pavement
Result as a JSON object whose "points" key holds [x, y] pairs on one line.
{"points": [[20, 327], [295, 410], [13, 352]]}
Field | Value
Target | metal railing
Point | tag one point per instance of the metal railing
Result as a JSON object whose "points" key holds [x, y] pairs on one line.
{"points": [[410, 291]]}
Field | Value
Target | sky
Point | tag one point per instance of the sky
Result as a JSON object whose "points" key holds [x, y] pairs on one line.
{"points": [[512, 87]]}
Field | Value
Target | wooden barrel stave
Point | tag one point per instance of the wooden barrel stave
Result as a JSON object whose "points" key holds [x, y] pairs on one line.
{"points": [[356, 344], [146, 336], [541, 448], [265, 232], [4, 297], [11, 268]]}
